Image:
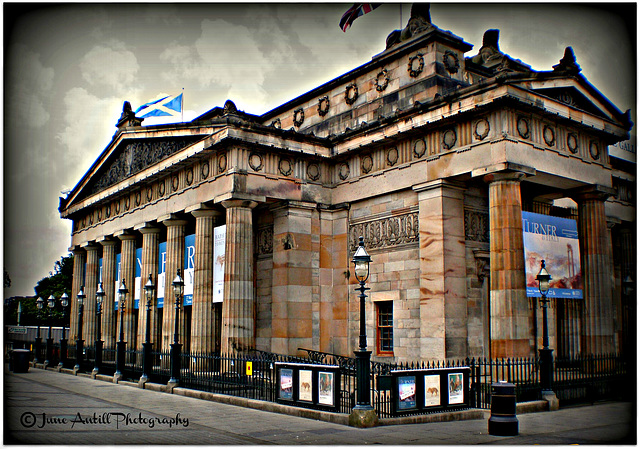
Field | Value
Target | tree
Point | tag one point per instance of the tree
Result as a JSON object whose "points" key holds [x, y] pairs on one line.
{"points": [[55, 284]]}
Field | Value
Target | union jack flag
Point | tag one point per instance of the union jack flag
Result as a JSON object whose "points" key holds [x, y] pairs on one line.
{"points": [[357, 10]]}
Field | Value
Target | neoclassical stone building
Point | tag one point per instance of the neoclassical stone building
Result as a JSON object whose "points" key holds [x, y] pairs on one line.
{"points": [[429, 151]]}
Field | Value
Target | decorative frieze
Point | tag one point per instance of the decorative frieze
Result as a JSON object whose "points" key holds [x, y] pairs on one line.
{"points": [[385, 232]]}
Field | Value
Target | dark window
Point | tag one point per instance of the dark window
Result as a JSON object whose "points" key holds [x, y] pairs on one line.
{"points": [[385, 327]]}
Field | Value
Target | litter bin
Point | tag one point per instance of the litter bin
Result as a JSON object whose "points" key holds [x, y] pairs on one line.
{"points": [[20, 360], [503, 421]]}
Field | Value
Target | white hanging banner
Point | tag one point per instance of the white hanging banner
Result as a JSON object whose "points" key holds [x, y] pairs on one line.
{"points": [[219, 241]]}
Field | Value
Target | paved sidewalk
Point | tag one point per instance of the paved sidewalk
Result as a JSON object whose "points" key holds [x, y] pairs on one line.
{"points": [[45, 407]]}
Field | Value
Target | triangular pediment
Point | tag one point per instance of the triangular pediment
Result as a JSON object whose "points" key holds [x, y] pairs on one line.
{"points": [[574, 98]]}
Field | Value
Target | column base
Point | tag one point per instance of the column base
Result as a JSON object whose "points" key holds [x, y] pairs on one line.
{"points": [[364, 417]]}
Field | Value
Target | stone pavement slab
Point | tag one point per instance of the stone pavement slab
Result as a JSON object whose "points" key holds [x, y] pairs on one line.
{"points": [[45, 407]]}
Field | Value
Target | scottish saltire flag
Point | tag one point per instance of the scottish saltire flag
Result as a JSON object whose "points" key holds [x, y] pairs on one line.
{"points": [[169, 106], [357, 10]]}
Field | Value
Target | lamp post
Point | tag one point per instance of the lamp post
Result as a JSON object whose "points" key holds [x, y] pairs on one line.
{"points": [[51, 303], [628, 312], [121, 344], [147, 345], [363, 414], [39, 305], [64, 301], [546, 354], [100, 294], [178, 289], [79, 342]]}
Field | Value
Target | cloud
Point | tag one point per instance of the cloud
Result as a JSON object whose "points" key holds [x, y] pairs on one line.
{"points": [[29, 85], [110, 65]]}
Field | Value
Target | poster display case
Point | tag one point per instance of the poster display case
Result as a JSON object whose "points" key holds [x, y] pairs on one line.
{"points": [[310, 386]]}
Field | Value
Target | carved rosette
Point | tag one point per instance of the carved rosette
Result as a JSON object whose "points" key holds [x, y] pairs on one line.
{"points": [[255, 161], [313, 171], [351, 93], [419, 148], [344, 171], [298, 117], [382, 80], [549, 136], [367, 164], [386, 232], [523, 127], [481, 129], [285, 167], [323, 106], [392, 157], [449, 139], [572, 142], [594, 150], [450, 61], [416, 65]]}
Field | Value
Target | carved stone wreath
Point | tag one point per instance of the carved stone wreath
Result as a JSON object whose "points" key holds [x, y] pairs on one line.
{"points": [[392, 157], [204, 170], [351, 94], [107, 211], [367, 164], [189, 176], [161, 188], [138, 198], [313, 172], [549, 136], [450, 60], [594, 150], [255, 161], [127, 203], [323, 106], [100, 214], [523, 127], [276, 124], [343, 171], [149, 194], [572, 143], [416, 69], [222, 163], [449, 139], [117, 207], [285, 167], [419, 148], [481, 129], [298, 117], [382, 80], [175, 182]]}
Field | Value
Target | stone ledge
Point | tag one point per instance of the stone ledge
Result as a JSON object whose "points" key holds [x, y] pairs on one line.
{"points": [[462, 415], [532, 407]]}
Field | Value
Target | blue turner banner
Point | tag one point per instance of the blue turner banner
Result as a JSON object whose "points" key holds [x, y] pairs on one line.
{"points": [[554, 240]]}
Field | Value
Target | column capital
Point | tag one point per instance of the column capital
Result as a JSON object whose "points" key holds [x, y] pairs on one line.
{"points": [[90, 246], [508, 171], [125, 234], [147, 228], [173, 220], [239, 203], [76, 249], [593, 192], [107, 241], [202, 210], [454, 188]]}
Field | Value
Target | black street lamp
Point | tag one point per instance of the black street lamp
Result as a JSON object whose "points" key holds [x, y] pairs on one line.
{"points": [[546, 354], [51, 303], [38, 346], [361, 261], [147, 345], [628, 311], [64, 301], [178, 289], [121, 344], [79, 341], [100, 294]]}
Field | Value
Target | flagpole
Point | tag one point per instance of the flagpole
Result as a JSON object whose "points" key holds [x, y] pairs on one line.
{"points": [[182, 107]]}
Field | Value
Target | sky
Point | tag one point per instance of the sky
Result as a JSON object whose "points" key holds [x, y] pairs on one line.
{"points": [[69, 68]]}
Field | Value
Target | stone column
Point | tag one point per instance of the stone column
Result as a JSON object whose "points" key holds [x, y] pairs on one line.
{"points": [[109, 250], [509, 308], [175, 262], [443, 301], [150, 253], [202, 331], [79, 261], [292, 298], [89, 318], [238, 309], [128, 274], [595, 247]]}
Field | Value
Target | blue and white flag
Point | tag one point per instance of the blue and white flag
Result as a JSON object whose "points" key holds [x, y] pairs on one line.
{"points": [[169, 106]]}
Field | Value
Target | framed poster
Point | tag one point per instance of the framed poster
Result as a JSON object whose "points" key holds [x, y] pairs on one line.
{"points": [[431, 390], [286, 384], [326, 388], [305, 392], [406, 392], [456, 388]]}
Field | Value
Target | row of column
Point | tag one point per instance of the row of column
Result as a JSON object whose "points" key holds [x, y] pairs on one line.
{"points": [[238, 325]]}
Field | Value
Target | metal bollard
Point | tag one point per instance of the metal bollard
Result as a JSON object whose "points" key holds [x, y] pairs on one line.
{"points": [[503, 421]]}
